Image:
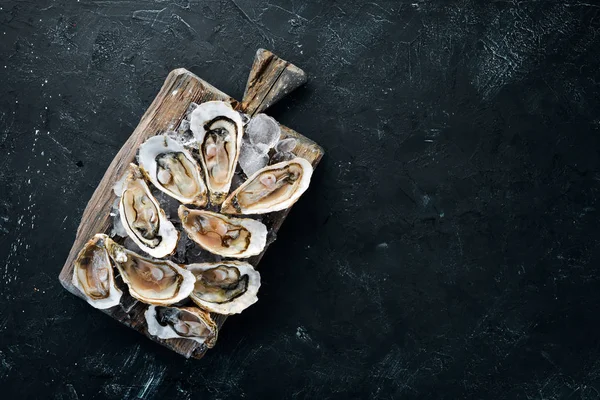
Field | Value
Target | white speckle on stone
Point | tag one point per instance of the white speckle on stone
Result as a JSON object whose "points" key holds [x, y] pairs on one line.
{"points": [[303, 335], [425, 199]]}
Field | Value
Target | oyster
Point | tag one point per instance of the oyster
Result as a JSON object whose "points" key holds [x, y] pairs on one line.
{"points": [[228, 287], [172, 169], [218, 129], [181, 323], [93, 274], [223, 235], [158, 282], [272, 188], [142, 217]]}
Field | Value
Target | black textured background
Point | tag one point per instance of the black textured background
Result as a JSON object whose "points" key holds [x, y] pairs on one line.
{"points": [[448, 247]]}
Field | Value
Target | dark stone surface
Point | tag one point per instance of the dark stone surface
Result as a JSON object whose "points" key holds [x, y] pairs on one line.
{"points": [[448, 247]]}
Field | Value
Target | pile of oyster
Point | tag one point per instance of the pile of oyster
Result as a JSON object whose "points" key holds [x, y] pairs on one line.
{"points": [[193, 173]]}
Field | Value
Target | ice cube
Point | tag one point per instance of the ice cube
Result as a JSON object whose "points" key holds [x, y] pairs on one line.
{"points": [[281, 156], [196, 254], [263, 129], [285, 145], [114, 210], [118, 187], [184, 126], [237, 180], [251, 160], [245, 118], [117, 228], [261, 148], [185, 138], [190, 109], [181, 249], [166, 202], [129, 244]]}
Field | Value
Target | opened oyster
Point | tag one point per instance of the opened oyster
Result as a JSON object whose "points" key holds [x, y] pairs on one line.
{"points": [[172, 169], [93, 274], [228, 287], [142, 217], [158, 282], [272, 188], [181, 323], [218, 129], [223, 235]]}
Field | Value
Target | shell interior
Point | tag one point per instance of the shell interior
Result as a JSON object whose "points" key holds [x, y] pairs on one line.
{"points": [[183, 323], [227, 287], [222, 235], [142, 217], [93, 274], [218, 129], [272, 188], [152, 281], [172, 169]]}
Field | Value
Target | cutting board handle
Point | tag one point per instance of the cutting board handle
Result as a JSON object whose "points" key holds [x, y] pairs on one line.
{"points": [[270, 79]]}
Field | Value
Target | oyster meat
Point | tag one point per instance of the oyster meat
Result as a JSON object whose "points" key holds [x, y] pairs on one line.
{"points": [[142, 217], [218, 129], [158, 282], [172, 169], [93, 274], [223, 235], [272, 188], [227, 287], [181, 323]]}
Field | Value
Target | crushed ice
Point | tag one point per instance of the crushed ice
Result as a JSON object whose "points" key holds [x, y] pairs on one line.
{"points": [[262, 129], [285, 145], [261, 136], [129, 244], [252, 159], [166, 202], [117, 227]]}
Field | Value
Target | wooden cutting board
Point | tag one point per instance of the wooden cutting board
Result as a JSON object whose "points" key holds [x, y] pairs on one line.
{"points": [[271, 78]]}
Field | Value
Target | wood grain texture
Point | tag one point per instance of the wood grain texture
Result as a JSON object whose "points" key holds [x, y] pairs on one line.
{"points": [[270, 79], [166, 112]]}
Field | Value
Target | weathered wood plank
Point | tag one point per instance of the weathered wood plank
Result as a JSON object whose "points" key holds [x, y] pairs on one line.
{"points": [[270, 79], [166, 112]]}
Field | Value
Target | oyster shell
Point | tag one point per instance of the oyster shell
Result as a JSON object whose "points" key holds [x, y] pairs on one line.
{"points": [[181, 323], [227, 287], [172, 169], [158, 282], [269, 189], [93, 274], [223, 235], [218, 129], [142, 217]]}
